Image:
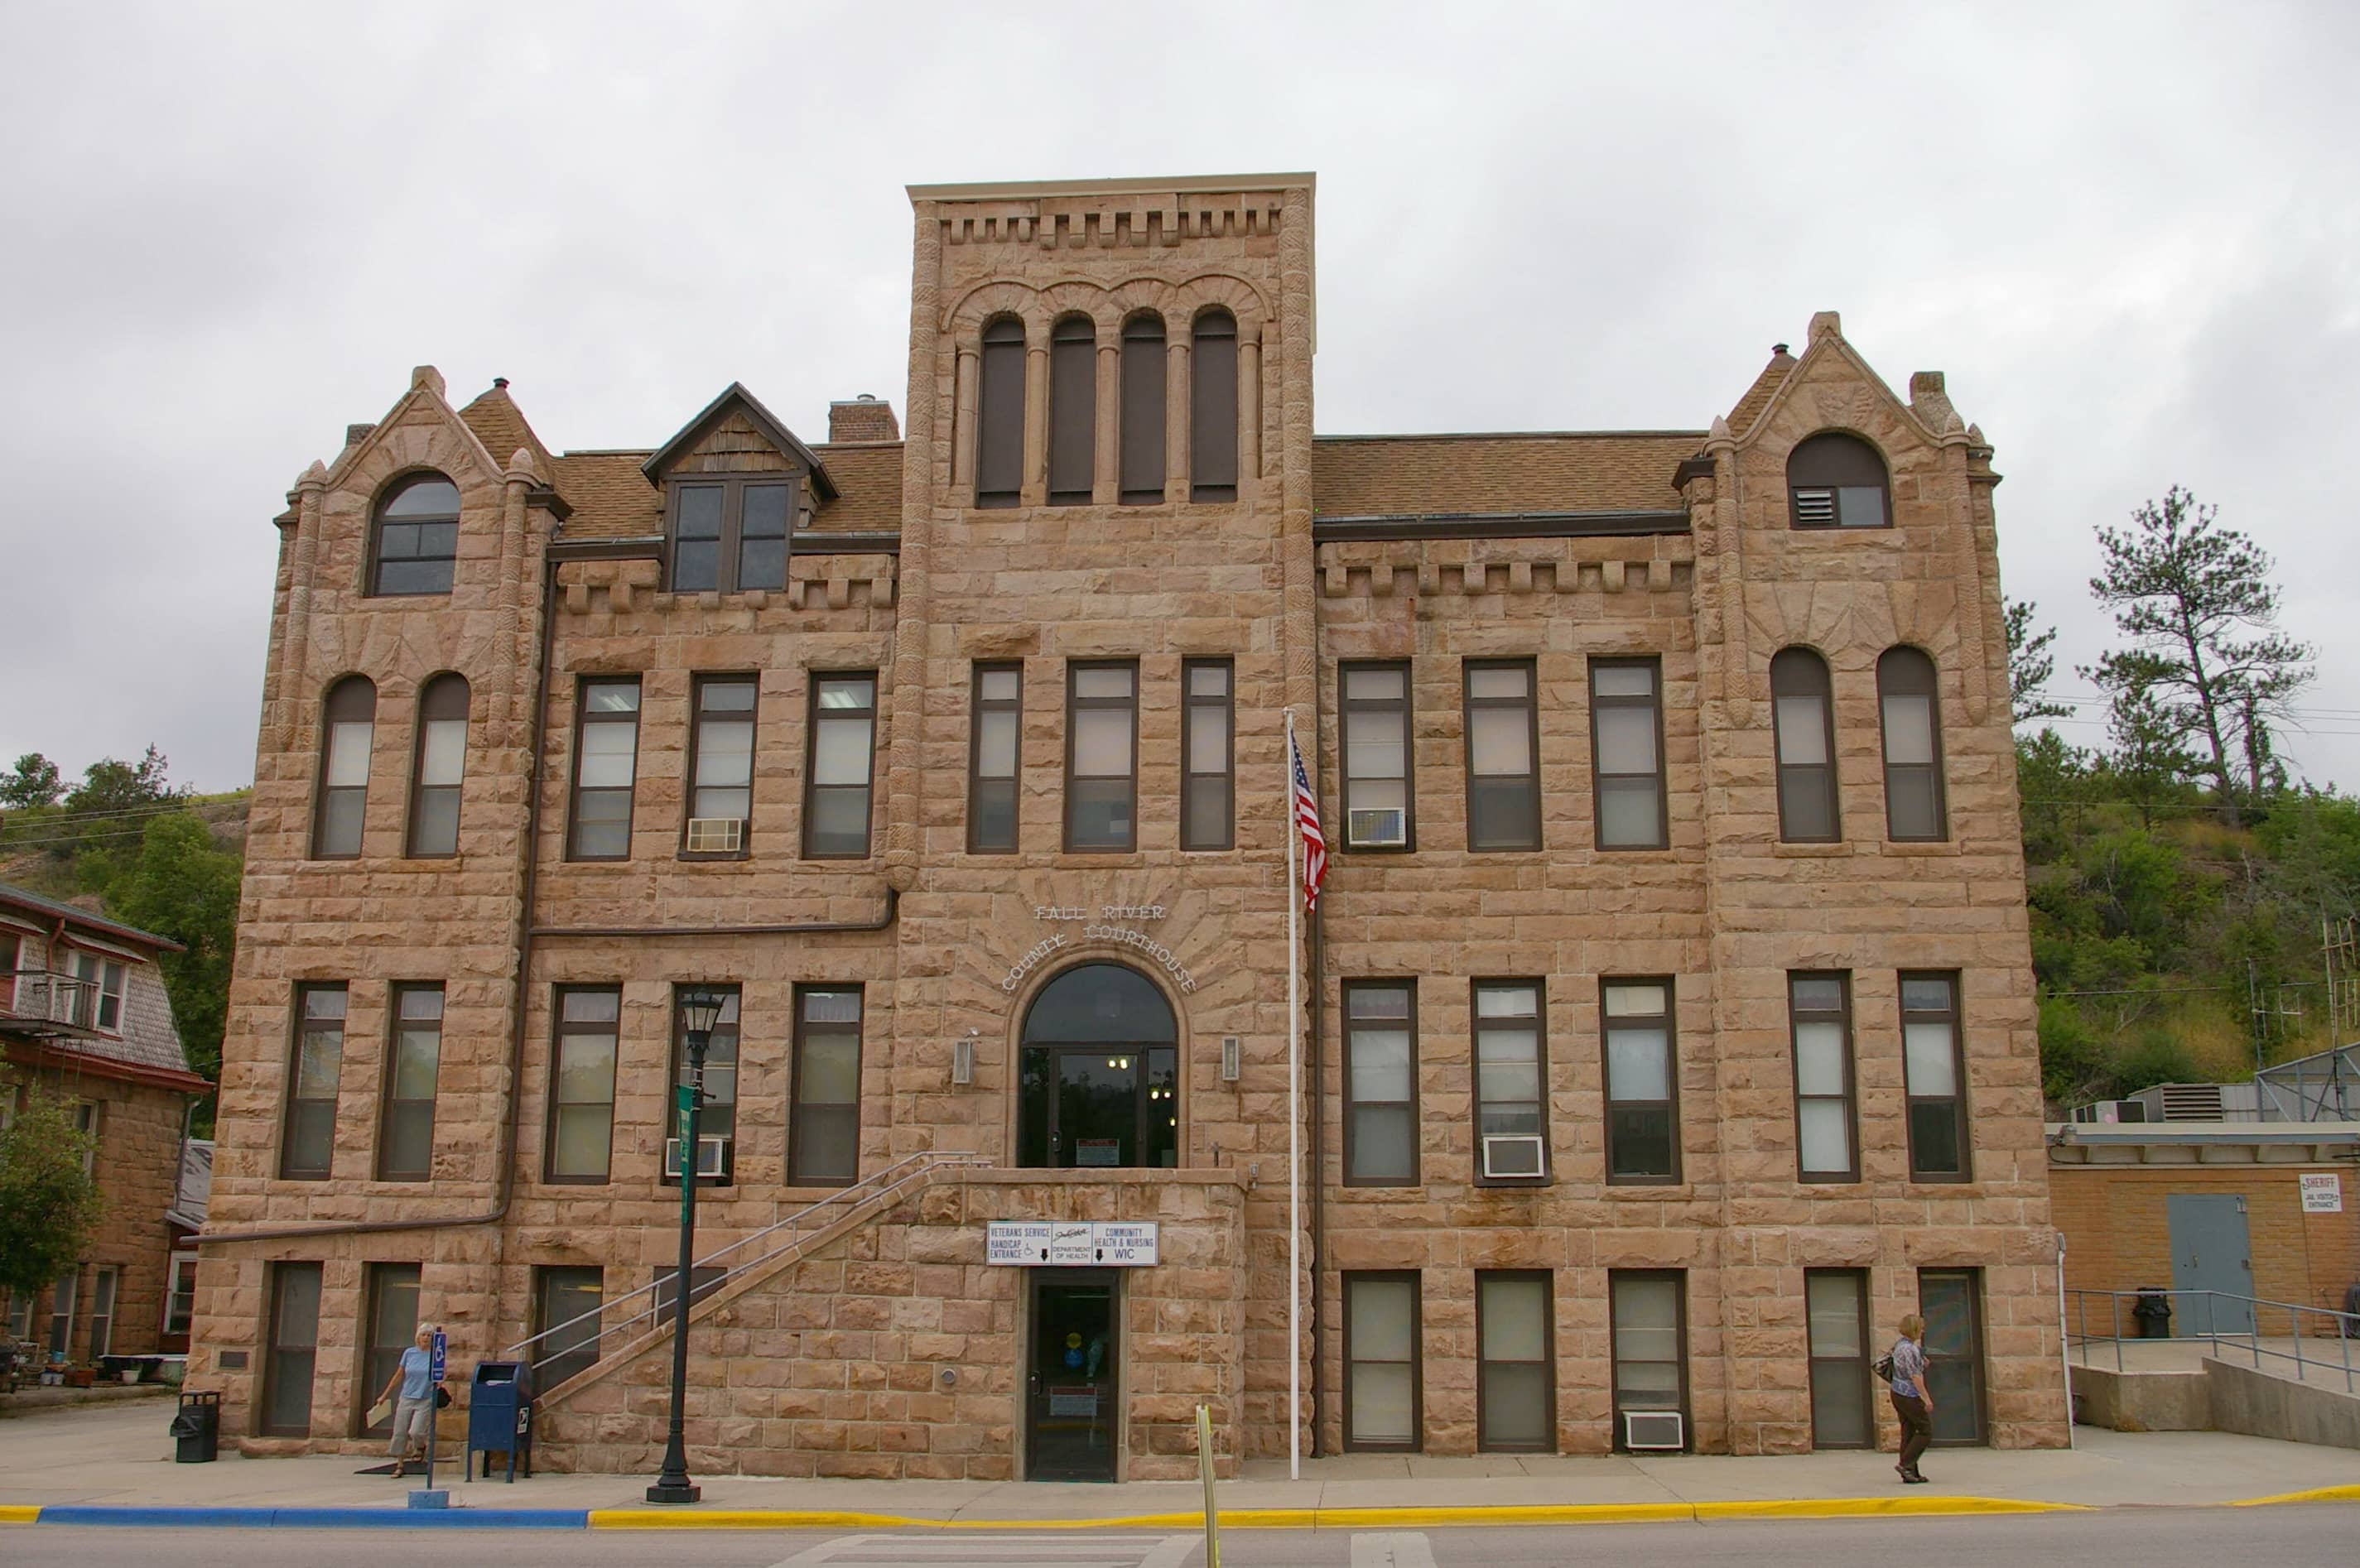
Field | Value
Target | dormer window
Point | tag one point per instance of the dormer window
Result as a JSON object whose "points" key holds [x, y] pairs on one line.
{"points": [[1837, 481], [414, 538], [729, 536]]}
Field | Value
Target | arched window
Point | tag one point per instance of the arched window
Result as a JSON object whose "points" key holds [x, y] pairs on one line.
{"points": [[1835, 481], [347, 729], [1099, 1083], [414, 537], [1142, 410], [1073, 410], [1000, 415], [1911, 715], [438, 767], [1213, 408], [1803, 717]]}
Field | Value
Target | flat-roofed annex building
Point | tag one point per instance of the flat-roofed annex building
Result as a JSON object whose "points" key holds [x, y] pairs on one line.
{"points": [[1669, 1013]]}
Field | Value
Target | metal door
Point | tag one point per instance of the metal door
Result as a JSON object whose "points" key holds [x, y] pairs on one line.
{"points": [[2210, 1252]]}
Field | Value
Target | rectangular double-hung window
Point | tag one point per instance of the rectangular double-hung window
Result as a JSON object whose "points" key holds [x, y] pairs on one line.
{"points": [[995, 749], [1101, 756], [823, 1118], [309, 1143], [605, 766], [1208, 777], [1375, 743], [1935, 1066], [406, 1142], [1826, 1141], [582, 1083], [1626, 742], [1382, 1409], [716, 1124], [1503, 774], [843, 756], [1515, 1387], [1510, 1123], [1643, 1127], [721, 767], [1380, 1084]]}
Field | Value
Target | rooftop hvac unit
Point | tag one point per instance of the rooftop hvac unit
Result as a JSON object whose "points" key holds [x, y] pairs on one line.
{"points": [[1653, 1432], [1382, 828], [2110, 1111], [716, 835], [2188, 1102], [1509, 1155], [712, 1157]]}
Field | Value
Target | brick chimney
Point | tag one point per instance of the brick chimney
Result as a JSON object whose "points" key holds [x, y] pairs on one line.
{"points": [[863, 419]]}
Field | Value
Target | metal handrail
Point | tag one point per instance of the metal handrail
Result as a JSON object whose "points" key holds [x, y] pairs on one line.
{"points": [[874, 1188], [2346, 1326]]}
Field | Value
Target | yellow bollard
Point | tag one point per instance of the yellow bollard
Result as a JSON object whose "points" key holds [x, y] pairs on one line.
{"points": [[1205, 1464]]}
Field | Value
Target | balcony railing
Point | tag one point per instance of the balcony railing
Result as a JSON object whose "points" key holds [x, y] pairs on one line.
{"points": [[64, 1003]]}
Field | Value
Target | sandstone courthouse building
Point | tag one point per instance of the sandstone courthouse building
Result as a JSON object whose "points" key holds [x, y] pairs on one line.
{"points": [[1668, 1013]]}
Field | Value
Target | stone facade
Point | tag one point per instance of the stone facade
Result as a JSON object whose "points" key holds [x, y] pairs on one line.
{"points": [[1672, 546]]}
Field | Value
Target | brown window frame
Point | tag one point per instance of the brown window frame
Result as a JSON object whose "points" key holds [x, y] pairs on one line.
{"points": [[558, 1033], [1476, 1102], [275, 1355], [1607, 1025], [1351, 1104], [730, 1023], [1821, 501], [1529, 838], [799, 1173], [812, 786], [999, 413], [389, 1101], [977, 706], [1977, 1360], [583, 717], [546, 1279], [697, 718], [436, 701], [1213, 445], [1924, 684], [1411, 1277], [1842, 1018], [1678, 1279], [358, 693], [1858, 1280], [1076, 704], [1073, 410], [1194, 709], [729, 540], [1955, 1016], [288, 1170], [1142, 411], [377, 1365], [1345, 706], [1600, 777], [1790, 660], [1484, 1441], [373, 569]]}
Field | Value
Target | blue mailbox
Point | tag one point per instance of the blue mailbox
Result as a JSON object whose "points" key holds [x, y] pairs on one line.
{"points": [[499, 1416]]}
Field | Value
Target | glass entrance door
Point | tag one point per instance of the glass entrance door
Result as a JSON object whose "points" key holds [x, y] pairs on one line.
{"points": [[1100, 1105], [1069, 1422]]}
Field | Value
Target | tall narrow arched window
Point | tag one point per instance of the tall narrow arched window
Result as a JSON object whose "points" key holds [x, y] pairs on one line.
{"points": [[1911, 715], [1213, 408], [1142, 410], [1073, 410], [347, 729], [1835, 481], [414, 537], [1802, 713], [439, 766], [1000, 415]]}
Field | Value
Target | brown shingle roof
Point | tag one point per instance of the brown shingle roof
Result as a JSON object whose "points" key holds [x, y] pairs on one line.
{"points": [[868, 487], [501, 425], [1757, 396], [1356, 476]]}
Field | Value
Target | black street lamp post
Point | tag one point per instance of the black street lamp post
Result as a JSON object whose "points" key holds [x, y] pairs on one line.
{"points": [[700, 1008]]}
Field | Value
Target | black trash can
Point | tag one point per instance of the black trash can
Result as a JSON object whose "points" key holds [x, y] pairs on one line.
{"points": [[2153, 1312], [196, 1429]]}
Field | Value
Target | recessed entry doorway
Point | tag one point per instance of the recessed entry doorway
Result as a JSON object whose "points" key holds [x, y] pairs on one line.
{"points": [[1100, 1082], [1069, 1418]]}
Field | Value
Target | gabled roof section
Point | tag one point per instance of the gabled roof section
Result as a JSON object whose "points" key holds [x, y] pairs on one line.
{"points": [[737, 397], [48, 911], [426, 389], [1827, 339], [501, 425], [1766, 386]]}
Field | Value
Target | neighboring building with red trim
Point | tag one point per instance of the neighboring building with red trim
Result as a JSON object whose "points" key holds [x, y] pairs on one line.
{"points": [[83, 1015]]}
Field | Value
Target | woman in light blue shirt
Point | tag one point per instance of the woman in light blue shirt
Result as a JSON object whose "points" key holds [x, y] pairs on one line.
{"points": [[413, 1412]]}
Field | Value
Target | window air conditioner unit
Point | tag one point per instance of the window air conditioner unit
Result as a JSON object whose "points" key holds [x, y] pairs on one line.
{"points": [[1654, 1430], [716, 835], [1387, 826], [712, 1157], [1512, 1155], [1815, 506]]}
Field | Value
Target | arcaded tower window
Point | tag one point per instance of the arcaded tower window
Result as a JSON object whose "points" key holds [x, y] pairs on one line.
{"points": [[1835, 481], [1073, 410], [414, 538], [1142, 411], [1000, 415], [1213, 408]]}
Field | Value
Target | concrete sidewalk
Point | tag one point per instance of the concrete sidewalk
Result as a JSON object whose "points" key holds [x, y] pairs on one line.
{"points": [[120, 1458]]}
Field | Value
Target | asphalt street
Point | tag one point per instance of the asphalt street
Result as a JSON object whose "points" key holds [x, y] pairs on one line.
{"points": [[2290, 1536]]}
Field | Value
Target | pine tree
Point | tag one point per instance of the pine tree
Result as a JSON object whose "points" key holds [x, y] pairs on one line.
{"points": [[2030, 665]]}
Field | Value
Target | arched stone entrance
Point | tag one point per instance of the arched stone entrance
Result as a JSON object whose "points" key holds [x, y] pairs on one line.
{"points": [[1098, 1075]]}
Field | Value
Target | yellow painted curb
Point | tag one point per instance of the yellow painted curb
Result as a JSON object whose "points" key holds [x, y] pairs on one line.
{"points": [[1878, 1507], [2316, 1495], [20, 1513], [1514, 1513], [746, 1519]]}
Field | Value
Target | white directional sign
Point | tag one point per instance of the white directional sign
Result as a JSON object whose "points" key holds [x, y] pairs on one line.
{"points": [[1070, 1243]]}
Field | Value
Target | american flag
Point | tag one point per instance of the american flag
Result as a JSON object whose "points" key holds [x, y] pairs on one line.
{"points": [[1306, 822]]}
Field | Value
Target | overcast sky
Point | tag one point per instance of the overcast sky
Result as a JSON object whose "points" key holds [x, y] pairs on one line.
{"points": [[2131, 234]]}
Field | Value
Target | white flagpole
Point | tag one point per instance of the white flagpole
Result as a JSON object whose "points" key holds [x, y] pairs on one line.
{"points": [[1293, 1138]]}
